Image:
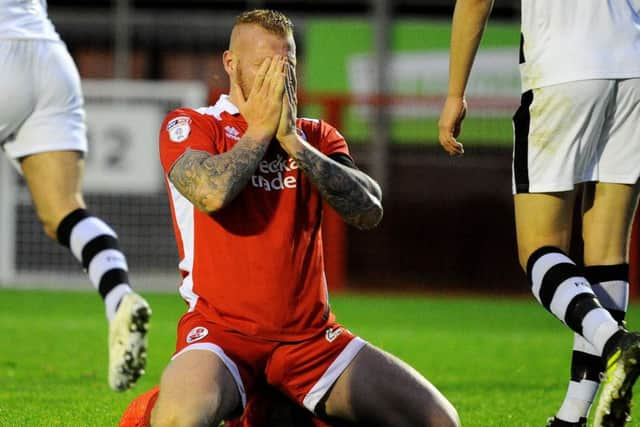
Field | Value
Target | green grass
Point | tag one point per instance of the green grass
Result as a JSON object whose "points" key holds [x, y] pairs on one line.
{"points": [[501, 362]]}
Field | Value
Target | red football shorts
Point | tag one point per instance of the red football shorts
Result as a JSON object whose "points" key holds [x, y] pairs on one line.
{"points": [[303, 370]]}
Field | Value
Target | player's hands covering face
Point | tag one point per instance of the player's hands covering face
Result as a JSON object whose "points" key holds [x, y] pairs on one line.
{"points": [[287, 125], [263, 106]]}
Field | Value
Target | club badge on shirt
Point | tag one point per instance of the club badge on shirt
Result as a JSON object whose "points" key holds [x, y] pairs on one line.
{"points": [[179, 128], [196, 334]]}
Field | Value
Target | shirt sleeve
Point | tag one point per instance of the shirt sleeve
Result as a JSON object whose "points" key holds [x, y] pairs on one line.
{"points": [[332, 141], [181, 130]]}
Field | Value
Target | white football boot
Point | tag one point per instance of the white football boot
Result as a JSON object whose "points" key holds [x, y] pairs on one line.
{"points": [[128, 342]]}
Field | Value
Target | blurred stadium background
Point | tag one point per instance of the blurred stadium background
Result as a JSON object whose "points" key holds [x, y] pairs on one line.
{"points": [[376, 69]]}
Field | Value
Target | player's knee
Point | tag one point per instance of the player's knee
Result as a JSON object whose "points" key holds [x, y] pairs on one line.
{"points": [[186, 413], [180, 417]]}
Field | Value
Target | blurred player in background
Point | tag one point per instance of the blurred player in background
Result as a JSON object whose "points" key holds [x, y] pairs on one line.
{"points": [[246, 180], [578, 124], [42, 131]]}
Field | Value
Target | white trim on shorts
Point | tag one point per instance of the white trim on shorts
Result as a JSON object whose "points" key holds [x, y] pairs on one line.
{"points": [[330, 376], [230, 364]]}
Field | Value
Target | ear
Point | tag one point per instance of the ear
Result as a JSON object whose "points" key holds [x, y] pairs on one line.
{"points": [[229, 63]]}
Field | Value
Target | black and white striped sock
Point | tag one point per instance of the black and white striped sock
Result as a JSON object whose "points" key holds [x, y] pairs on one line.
{"points": [[95, 245], [610, 283], [558, 284]]}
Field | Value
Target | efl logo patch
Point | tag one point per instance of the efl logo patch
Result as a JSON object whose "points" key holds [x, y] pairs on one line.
{"points": [[196, 334], [179, 128], [332, 334]]}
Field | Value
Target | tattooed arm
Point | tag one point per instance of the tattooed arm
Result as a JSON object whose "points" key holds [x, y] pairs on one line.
{"points": [[210, 181], [352, 193]]}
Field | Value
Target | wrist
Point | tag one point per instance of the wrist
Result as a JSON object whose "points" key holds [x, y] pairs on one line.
{"points": [[258, 134], [288, 139], [455, 96]]}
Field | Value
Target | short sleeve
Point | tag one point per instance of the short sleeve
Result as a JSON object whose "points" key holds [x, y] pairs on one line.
{"points": [[181, 130], [330, 141]]}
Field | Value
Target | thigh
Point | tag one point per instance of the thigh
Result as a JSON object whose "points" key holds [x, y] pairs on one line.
{"points": [[244, 357], [210, 375], [543, 219], [606, 225], [379, 389], [556, 134], [196, 388]]}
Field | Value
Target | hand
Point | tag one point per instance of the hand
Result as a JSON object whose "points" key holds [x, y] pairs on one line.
{"points": [[450, 124], [287, 124], [263, 107]]}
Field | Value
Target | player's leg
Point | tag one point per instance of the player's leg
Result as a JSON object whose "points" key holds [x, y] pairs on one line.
{"points": [[49, 145], [557, 130], [196, 389], [54, 180], [608, 214], [379, 389], [543, 219], [543, 224], [210, 375], [562, 288], [339, 376], [606, 223], [611, 286]]}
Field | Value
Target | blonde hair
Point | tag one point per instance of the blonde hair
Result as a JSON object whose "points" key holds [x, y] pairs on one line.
{"points": [[273, 21]]}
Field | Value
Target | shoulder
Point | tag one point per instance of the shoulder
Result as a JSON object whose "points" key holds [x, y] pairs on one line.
{"points": [[316, 128], [182, 114], [186, 119]]}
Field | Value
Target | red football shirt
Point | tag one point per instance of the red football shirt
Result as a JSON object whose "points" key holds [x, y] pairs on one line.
{"points": [[255, 266]]}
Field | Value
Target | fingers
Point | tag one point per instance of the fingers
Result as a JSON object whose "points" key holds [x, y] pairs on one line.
{"points": [[449, 143], [278, 77], [262, 74], [450, 125], [447, 138], [291, 85], [235, 84]]}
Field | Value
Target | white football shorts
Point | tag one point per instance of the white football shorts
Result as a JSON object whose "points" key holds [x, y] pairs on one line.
{"points": [[42, 107], [575, 132]]}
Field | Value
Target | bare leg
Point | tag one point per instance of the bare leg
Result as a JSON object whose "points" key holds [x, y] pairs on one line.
{"points": [[54, 180], [379, 389], [543, 219], [196, 389]]}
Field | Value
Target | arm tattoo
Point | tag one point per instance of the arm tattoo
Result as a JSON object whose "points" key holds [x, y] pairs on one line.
{"points": [[353, 194], [210, 181]]}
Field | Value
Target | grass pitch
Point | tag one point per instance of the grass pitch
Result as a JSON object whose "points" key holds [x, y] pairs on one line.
{"points": [[501, 362]]}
